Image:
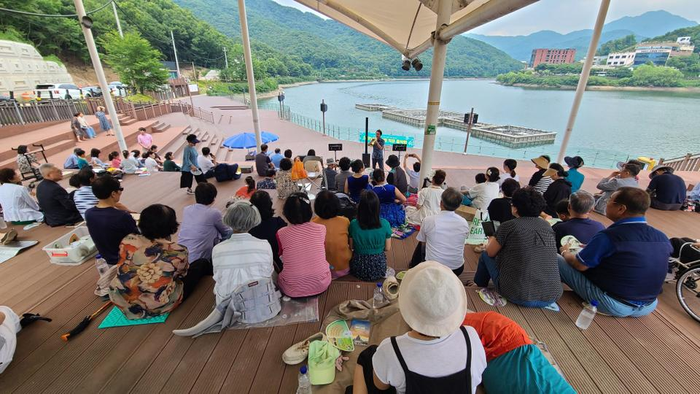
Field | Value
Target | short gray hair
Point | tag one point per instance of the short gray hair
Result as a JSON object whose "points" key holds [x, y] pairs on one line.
{"points": [[581, 202], [45, 168], [241, 216]]}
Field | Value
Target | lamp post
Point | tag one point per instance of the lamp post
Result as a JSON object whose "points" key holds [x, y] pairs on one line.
{"points": [[324, 108]]}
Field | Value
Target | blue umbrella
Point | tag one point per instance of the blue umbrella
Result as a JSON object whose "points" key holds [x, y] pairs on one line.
{"points": [[247, 140]]}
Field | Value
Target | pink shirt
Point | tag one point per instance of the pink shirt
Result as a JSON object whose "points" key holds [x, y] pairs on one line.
{"points": [[145, 140], [306, 271]]}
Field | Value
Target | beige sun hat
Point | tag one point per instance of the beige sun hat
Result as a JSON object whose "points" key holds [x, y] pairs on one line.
{"points": [[432, 299]]}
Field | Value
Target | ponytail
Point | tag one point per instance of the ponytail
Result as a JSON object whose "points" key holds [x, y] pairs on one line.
{"points": [[251, 183], [510, 164]]}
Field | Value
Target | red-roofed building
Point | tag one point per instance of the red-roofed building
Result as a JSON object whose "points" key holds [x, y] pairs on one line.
{"points": [[552, 56]]}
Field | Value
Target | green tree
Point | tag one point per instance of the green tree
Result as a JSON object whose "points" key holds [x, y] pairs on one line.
{"points": [[688, 65], [616, 45], [648, 75], [135, 60]]}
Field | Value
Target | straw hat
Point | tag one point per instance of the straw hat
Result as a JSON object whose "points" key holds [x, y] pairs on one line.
{"points": [[540, 162], [432, 299], [660, 167]]}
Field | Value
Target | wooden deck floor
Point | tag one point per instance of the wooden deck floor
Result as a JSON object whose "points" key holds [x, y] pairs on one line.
{"points": [[657, 353]]}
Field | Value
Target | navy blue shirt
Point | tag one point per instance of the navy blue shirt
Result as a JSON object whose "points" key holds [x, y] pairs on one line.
{"points": [[628, 260], [669, 188], [107, 227], [582, 229]]}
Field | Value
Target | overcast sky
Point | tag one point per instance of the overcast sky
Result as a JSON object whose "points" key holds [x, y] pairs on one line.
{"points": [[565, 16]]}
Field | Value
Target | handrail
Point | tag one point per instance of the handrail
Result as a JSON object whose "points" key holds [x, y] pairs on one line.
{"points": [[689, 162]]}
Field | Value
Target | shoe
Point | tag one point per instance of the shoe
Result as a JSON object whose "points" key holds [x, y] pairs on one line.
{"points": [[390, 288], [190, 192], [297, 353], [8, 237]]}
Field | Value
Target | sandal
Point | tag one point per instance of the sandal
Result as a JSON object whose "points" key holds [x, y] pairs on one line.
{"points": [[297, 353]]}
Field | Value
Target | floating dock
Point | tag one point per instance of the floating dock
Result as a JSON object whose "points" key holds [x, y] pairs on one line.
{"points": [[507, 135]]}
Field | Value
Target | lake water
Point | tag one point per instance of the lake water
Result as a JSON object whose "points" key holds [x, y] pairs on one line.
{"points": [[611, 125]]}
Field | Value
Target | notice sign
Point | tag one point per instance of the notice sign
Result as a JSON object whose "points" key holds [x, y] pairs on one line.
{"points": [[430, 130], [390, 139]]}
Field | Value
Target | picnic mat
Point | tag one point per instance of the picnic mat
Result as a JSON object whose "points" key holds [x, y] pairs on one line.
{"points": [[116, 318]]}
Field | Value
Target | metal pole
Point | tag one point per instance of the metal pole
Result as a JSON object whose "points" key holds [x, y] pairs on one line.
{"points": [[225, 57], [436, 76], [194, 72], [177, 64], [324, 119], [116, 17], [585, 73], [249, 71], [469, 129], [100, 73]]}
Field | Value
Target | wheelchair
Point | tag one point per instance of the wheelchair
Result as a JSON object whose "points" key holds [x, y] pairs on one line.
{"points": [[687, 281]]}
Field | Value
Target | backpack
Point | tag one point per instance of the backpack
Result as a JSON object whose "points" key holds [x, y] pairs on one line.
{"points": [[348, 208], [226, 172]]}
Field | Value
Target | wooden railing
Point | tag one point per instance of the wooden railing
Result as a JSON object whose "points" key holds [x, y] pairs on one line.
{"points": [[688, 162]]}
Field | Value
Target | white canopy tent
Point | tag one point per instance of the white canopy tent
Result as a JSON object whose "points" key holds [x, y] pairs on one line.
{"points": [[408, 27]]}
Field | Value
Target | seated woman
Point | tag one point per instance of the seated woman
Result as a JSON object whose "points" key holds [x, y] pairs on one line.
{"points": [[246, 191], [370, 239], [390, 199], [169, 165], [521, 259], [18, 206], [153, 273], [129, 164], [428, 200], [269, 224], [559, 189], [515, 364], [357, 182], [285, 185], [115, 160], [499, 209], [27, 163], [509, 166], [95, 159], [481, 195], [338, 253], [298, 171], [305, 271], [438, 354], [241, 258]]}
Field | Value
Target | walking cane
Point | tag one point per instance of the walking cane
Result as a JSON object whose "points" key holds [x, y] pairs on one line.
{"points": [[85, 322]]}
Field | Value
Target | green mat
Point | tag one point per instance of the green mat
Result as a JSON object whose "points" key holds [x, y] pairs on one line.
{"points": [[117, 319]]}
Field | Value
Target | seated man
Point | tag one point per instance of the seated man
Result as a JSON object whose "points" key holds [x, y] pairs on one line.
{"points": [[276, 158], [624, 266], [667, 189], [107, 224], [263, 161], [206, 162], [17, 204], [579, 224], [562, 209], [330, 173], [202, 227], [71, 162], [627, 176], [441, 237], [515, 364], [58, 207]]}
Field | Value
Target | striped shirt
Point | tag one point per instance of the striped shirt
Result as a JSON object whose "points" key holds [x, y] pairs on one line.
{"points": [[302, 249], [84, 199], [527, 262]]}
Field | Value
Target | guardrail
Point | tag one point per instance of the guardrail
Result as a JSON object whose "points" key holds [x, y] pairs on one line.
{"points": [[688, 162]]}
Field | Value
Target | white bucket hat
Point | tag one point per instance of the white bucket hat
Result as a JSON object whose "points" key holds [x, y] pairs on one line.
{"points": [[432, 299]]}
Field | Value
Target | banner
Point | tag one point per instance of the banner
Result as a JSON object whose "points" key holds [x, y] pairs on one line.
{"points": [[476, 231], [390, 139]]}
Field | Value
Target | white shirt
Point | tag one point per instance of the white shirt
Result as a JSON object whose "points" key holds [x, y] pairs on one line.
{"points": [[429, 201], [444, 235], [18, 205], [436, 358], [8, 337], [151, 165], [239, 260], [413, 178], [130, 165], [505, 176], [482, 194], [204, 163]]}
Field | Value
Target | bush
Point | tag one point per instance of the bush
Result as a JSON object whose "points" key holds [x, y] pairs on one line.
{"points": [[140, 98]]}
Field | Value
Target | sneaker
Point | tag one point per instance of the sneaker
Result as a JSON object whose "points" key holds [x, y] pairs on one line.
{"points": [[190, 192], [297, 353]]}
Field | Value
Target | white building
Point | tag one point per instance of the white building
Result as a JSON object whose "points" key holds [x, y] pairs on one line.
{"points": [[621, 59], [683, 40]]}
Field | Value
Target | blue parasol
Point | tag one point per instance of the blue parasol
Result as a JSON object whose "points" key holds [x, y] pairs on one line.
{"points": [[247, 140]]}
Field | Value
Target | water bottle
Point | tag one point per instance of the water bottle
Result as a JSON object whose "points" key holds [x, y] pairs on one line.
{"points": [[585, 318], [378, 300], [101, 265], [304, 382]]}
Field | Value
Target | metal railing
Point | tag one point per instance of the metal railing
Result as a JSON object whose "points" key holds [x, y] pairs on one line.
{"points": [[593, 157]]}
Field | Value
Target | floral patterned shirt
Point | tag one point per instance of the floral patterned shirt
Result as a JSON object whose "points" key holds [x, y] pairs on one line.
{"points": [[24, 163], [285, 185], [148, 276]]}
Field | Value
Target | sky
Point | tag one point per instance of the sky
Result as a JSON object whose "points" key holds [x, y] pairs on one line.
{"points": [[565, 16]]}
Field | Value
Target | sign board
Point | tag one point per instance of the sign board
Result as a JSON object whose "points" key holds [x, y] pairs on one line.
{"points": [[324, 107], [474, 121], [335, 147], [193, 87], [430, 130], [280, 97], [390, 139], [398, 147]]}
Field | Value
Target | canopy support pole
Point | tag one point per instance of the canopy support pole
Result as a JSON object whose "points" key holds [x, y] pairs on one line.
{"points": [[436, 76], [583, 79], [249, 71], [100, 73]]}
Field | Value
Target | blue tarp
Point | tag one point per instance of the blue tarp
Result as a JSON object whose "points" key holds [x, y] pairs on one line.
{"points": [[247, 140]]}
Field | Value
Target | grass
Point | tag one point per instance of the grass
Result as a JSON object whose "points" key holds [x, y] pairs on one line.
{"points": [[140, 98], [53, 58]]}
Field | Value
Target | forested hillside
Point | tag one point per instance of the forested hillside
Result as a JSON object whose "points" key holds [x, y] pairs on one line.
{"points": [[335, 50]]}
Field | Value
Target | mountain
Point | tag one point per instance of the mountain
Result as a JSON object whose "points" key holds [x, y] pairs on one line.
{"points": [[333, 49], [649, 24]]}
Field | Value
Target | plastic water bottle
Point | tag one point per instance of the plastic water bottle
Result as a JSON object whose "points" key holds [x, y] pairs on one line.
{"points": [[304, 382], [585, 318], [101, 265], [378, 300]]}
